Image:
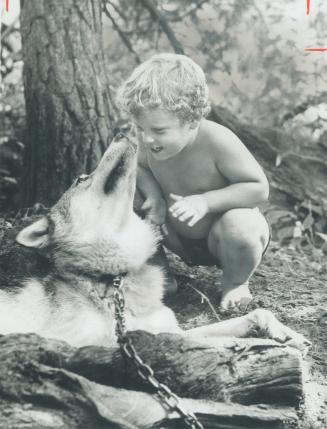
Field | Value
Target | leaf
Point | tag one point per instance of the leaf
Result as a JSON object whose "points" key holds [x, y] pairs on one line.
{"points": [[308, 222], [297, 231], [278, 161], [323, 236], [310, 115], [322, 111], [287, 232], [277, 216]]}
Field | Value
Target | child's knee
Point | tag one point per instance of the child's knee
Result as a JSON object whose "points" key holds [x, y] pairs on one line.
{"points": [[240, 229]]}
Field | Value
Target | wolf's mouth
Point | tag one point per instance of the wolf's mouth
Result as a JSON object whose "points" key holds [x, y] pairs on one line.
{"points": [[113, 176]]}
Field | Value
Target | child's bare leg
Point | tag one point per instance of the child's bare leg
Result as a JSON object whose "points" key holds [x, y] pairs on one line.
{"points": [[237, 239]]}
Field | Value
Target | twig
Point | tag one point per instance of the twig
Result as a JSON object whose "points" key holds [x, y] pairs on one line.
{"points": [[122, 35], [154, 12], [188, 12], [207, 300], [117, 9]]}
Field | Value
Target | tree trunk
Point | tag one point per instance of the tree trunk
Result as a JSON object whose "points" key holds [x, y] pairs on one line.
{"points": [[69, 114], [47, 383]]}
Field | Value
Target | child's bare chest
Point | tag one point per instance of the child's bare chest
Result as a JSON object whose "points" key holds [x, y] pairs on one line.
{"points": [[187, 175]]}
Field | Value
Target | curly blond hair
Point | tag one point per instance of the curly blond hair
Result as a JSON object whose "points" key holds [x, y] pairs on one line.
{"points": [[170, 81]]}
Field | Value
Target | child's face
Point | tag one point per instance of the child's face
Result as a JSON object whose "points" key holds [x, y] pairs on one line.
{"points": [[162, 132]]}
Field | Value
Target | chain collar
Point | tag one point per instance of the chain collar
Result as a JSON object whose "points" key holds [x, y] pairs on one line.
{"points": [[169, 400]]}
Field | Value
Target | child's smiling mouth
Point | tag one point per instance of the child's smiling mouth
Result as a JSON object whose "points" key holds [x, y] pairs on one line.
{"points": [[156, 149]]}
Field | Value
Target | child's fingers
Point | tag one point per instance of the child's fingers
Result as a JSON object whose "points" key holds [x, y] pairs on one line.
{"points": [[194, 220], [164, 229], [179, 214], [185, 216], [182, 210], [177, 207], [146, 205], [179, 210]]}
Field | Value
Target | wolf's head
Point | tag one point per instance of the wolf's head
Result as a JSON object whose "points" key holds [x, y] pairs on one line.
{"points": [[93, 227]]}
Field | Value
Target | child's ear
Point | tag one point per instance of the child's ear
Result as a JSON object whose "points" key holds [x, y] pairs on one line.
{"points": [[194, 124], [35, 235]]}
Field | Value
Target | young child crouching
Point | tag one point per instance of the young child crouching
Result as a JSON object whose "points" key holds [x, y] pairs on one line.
{"points": [[195, 175]]}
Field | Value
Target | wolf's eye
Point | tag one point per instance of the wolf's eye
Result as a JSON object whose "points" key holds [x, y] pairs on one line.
{"points": [[82, 178]]}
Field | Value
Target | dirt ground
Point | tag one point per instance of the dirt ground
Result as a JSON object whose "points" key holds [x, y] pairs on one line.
{"points": [[291, 281]]}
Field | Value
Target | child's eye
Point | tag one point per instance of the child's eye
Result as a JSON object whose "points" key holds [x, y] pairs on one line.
{"points": [[160, 131]]}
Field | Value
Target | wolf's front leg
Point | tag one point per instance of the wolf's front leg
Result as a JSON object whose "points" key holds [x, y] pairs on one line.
{"points": [[243, 326], [267, 323]]}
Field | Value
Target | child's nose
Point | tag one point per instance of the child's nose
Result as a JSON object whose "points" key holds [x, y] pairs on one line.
{"points": [[147, 138]]}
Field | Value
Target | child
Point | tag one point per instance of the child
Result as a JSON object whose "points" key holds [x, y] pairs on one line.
{"points": [[196, 176]]}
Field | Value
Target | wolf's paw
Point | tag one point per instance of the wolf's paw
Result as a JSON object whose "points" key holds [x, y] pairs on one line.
{"points": [[280, 332], [285, 335], [299, 342], [291, 338]]}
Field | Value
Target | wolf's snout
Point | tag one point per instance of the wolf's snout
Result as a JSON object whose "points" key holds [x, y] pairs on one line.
{"points": [[117, 165], [114, 175], [120, 136]]}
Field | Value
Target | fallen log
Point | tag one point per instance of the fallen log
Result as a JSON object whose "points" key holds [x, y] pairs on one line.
{"points": [[37, 390], [246, 371], [90, 405]]}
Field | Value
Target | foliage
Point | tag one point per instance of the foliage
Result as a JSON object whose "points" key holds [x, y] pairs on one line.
{"points": [[253, 52]]}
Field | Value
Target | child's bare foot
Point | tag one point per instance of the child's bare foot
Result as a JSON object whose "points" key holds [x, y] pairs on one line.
{"points": [[236, 297]]}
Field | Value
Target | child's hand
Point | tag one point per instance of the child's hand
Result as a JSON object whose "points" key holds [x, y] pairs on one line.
{"points": [[192, 208], [155, 209]]}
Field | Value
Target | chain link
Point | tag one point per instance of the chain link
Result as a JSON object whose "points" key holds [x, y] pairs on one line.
{"points": [[169, 400]]}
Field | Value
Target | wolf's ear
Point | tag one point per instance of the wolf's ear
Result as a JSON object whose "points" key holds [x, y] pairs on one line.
{"points": [[35, 235]]}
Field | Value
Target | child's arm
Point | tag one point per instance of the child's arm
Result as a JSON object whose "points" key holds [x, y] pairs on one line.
{"points": [[154, 202], [248, 183]]}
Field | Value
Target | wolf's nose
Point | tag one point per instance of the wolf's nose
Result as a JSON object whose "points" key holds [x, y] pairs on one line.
{"points": [[120, 136]]}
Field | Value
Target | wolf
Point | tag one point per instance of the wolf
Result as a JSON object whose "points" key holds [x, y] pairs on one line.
{"points": [[91, 235]]}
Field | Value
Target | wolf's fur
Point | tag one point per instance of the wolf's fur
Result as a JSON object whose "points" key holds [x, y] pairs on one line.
{"points": [[92, 233]]}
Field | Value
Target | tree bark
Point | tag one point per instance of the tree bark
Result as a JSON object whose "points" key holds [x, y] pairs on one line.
{"points": [[47, 383], [69, 114]]}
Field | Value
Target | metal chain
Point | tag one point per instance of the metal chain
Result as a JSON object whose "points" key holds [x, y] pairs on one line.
{"points": [[169, 400]]}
